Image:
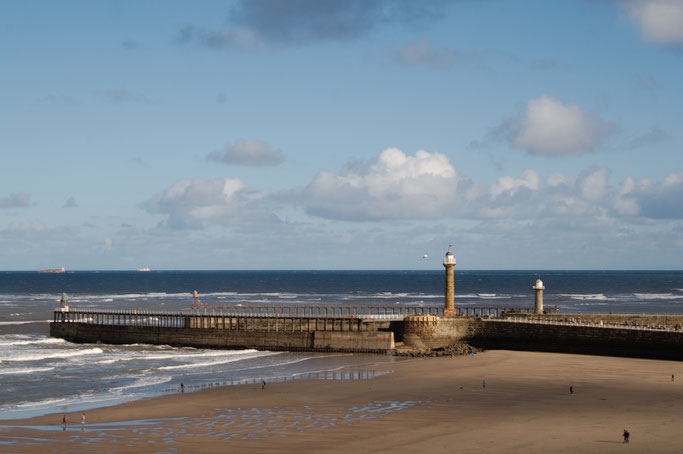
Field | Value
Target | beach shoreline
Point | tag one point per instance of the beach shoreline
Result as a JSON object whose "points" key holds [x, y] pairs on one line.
{"points": [[438, 404]]}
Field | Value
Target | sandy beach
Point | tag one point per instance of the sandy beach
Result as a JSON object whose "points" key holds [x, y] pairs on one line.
{"points": [[437, 405]]}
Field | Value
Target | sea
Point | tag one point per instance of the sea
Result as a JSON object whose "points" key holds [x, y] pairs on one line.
{"points": [[41, 375]]}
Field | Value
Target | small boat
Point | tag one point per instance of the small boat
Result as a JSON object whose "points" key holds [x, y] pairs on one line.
{"points": [[53, 270], [144, 270]]}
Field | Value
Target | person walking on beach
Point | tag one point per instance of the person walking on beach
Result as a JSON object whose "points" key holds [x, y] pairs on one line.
{"points": [[626, 436], [64, 422], [483, 384], [182, 387], [263, 384], [571, 390], [672, 377], [82, 422]]}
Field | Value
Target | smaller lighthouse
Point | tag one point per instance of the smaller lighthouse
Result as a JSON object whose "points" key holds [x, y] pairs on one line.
{"points": [[449, 264], [538, 302]]}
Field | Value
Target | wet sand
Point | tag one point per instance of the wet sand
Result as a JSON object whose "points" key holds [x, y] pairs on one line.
{"points": [[434, 405]]}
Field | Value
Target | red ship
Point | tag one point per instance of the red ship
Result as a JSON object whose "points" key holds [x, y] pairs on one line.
{"points": [[53, 270]]}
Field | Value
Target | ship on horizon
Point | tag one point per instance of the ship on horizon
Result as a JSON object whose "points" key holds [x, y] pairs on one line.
{"points": [[143, 269], [53, 270]]}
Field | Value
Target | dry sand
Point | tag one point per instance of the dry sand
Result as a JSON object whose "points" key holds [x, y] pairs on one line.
{"points": [[434, 405]]}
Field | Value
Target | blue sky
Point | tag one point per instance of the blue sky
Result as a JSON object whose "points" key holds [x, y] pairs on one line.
{"points": [[326, 134]]}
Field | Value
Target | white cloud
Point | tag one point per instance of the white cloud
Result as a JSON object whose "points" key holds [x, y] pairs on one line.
{"points": [[392, 186], [249, 152], [593, 186], [510, 185], [550, 128], [663, 200], [192, 203], [660, 21]]}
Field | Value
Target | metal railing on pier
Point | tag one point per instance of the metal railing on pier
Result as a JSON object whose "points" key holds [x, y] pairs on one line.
{"points": [[599, 324], [370, 312]]}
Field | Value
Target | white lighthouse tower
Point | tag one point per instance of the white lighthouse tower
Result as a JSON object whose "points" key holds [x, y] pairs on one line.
{"points": [[538, 302], [449, 264]]}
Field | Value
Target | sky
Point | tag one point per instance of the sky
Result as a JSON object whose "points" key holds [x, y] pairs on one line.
{"points": [[328, 134]]}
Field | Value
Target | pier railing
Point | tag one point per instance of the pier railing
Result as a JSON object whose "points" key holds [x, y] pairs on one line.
{"points": [[175, 319], [599, 324]]}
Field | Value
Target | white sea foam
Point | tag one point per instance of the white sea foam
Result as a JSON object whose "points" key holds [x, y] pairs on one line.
{"points": [[41, 403], [22, 340], [176, 354], [24, 370], [485, 296], [287, 363], [587, 296], [53, 354], [207, 363], [657, 296], [24, 322], [142, 382]]}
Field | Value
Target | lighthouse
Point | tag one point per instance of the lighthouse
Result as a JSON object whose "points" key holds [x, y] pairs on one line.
{"points": [[449, 264], [538, 302]]}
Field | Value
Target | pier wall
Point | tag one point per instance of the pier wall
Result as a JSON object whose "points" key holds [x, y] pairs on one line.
{"points": [[593, 340], [357, 341]]}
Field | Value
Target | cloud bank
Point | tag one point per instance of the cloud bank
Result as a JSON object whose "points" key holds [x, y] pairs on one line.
{"points": [[194, 203], [391, 186]]}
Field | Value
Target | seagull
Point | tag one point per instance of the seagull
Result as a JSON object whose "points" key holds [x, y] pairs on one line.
{"points": [[425, 255]]}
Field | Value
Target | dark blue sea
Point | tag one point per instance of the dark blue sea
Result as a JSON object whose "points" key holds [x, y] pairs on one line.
{"points": [[40, 375]]}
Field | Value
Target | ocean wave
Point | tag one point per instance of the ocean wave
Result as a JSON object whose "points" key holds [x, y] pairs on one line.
{"points": [[207, 363], [143, 382], [657, 296], [24, 370], [177, 354], [482, 296], [54, 354], [22, 340], [24, 322], [586, 296], [288, 363], [41, 403]]}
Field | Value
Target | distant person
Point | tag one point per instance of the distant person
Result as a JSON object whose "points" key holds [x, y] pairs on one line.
{"points": [[82, 422], [672, 377], [182, 387], [571, 390], [64, 422], [483, 384], [627, 435], [263, 384]]}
